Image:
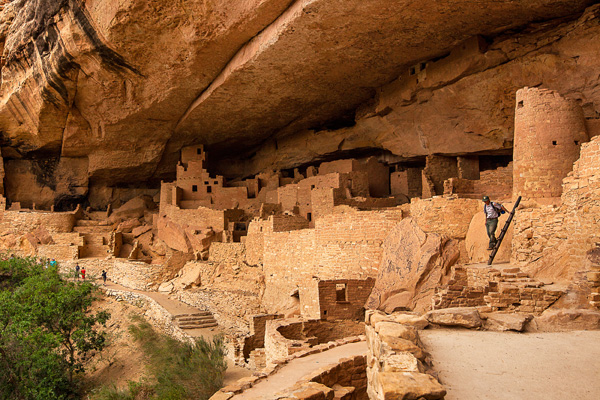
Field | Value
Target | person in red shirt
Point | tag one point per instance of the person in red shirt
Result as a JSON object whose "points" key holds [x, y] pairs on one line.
{"points": [[83, 273]]}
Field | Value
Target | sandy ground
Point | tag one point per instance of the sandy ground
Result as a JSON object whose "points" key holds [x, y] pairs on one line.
{"points": [[291, 373], [502, 366], [122, 360]]}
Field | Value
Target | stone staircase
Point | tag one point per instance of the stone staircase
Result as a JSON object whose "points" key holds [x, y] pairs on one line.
{"points": [[500, 288], [201, 319], [96, 236]]}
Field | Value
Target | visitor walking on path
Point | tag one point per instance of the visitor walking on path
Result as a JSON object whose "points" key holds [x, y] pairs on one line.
{"points": [[83, 273], [104, 277], [77, 271], [492, 212]]}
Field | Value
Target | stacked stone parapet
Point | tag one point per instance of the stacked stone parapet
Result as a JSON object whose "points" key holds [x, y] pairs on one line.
{"points": [[353, 365], [396, 359]]}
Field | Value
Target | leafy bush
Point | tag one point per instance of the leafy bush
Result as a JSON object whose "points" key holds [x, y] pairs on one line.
{"points": [[46, 330]]}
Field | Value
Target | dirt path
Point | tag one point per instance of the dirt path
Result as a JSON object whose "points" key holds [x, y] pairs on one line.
{"points": [[291, 373], [175, 307], [508, 366]]}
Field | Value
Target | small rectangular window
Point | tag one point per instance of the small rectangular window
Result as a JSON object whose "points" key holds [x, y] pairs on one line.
{"points": [[340, 292], [309, 217], [208, 189], [198, 150], [194, 188], [206, 182]]}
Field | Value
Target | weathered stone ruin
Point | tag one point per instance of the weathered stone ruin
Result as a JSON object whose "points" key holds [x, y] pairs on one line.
{"points": [[309, 174]]}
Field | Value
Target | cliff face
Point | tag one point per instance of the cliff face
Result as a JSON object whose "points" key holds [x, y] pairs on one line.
{"points": [[98, 94]]}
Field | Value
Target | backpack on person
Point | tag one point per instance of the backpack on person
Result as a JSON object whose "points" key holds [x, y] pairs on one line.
{"points": [[500, 211]]}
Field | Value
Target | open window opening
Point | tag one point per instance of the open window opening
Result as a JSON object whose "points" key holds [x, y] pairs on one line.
{"points": [[341, 293]]}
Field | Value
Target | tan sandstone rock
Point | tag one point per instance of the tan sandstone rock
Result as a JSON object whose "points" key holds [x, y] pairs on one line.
{"points": [[467, 317], [401, 362], [413, 264], [553, 320], [410, 319], [477, 240], [410, 386], [506, 322]]}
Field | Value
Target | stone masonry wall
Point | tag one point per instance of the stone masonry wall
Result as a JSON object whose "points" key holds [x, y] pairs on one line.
{"points": [[227, 252], [407, 182], [468, 168], [21, 222], [395, 358], [553, 241], [437, 170], [132, 274], [497, 184], [549, 131], [343, 245], [351, 305]]}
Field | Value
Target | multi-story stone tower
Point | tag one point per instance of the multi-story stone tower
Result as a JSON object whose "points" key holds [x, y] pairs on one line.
{"points": [[549, 130]]}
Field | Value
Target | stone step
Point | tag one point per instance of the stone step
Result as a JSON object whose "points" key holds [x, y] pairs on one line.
{"points": [[196, 314], [198, 319], [199, 325]]}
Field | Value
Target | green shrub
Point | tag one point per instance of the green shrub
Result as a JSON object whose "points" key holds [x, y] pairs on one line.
{"points": [[46, 331], [176, 370]]}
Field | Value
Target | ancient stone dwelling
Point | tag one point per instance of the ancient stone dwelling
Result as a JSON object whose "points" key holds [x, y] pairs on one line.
{"points": [[309, 174]]}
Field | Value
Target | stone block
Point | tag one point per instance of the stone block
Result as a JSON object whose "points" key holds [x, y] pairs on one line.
{"points": [[398, 345], [506, 322], [566, 320], [393, 329], [410, 386], [467, 317], [401, 362]]}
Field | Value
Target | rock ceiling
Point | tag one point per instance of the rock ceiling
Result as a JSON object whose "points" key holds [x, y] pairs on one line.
{"points": [[124, 85]]}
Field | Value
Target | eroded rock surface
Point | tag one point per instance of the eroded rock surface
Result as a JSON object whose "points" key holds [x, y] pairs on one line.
{"points": [[413, 264], [116, 90]]}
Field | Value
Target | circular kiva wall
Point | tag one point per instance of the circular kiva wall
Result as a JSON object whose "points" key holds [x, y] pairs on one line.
{"points": [[549, 130]]}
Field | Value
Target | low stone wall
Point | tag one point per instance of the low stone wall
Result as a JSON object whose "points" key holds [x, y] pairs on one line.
{"points": [[157, 315], [24, 221], [284, 337], [243, 384], [132, 274], [395, 360], [58, 251]]}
